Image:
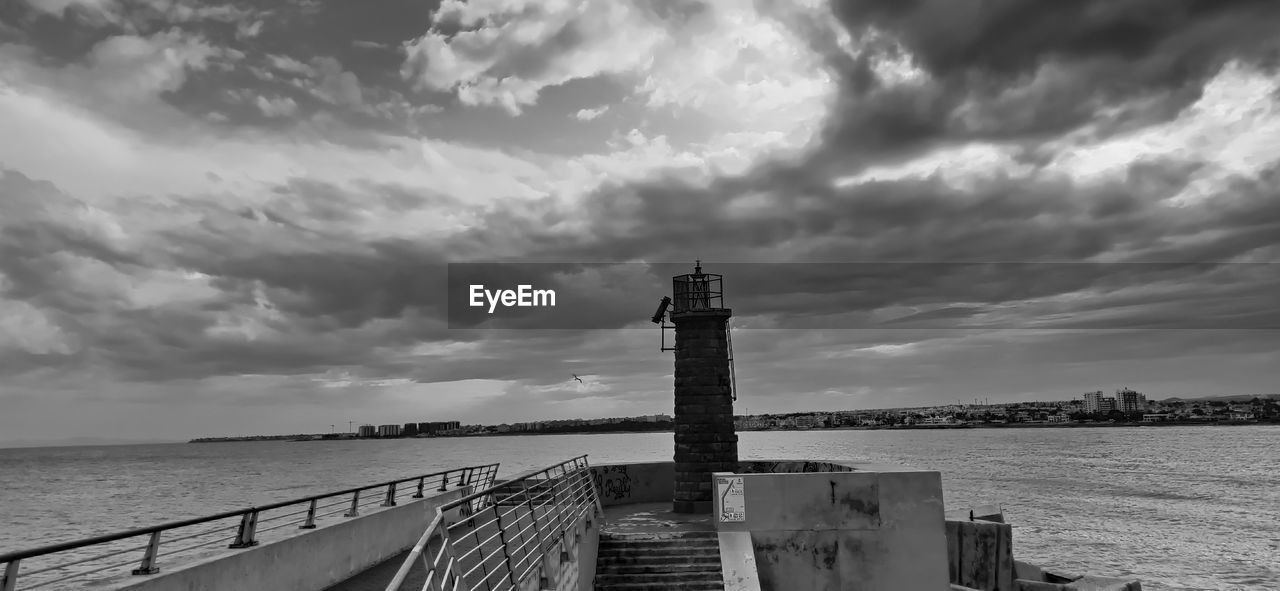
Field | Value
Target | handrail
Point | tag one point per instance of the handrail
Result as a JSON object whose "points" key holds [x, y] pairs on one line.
{"points": [[246, 534], [503, 529]]}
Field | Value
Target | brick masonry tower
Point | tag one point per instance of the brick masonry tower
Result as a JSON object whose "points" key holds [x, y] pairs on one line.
{"points": [[705, 440]]}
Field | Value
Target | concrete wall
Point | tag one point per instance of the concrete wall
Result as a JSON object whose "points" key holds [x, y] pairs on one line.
{"points": [[980, 555], [587, 546], [638, 482], [846, 530], [738, 562], [654, 482], [791, 466], [579, 545], [308, 561]]}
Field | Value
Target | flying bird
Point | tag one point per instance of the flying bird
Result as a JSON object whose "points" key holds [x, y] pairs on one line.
{"points": [[575, 376]]}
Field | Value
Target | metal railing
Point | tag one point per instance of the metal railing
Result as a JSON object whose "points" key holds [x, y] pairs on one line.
{"points": [[503, 532], [242, 528]]}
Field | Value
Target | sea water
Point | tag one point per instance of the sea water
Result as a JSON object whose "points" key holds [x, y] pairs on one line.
{"points": [[1178, 507]]}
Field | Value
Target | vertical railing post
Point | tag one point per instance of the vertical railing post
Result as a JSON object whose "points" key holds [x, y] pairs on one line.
{"points": [[10, 580], [533, 513], [391, 496], [311, 516], [444, 482], [484, 570], [248, 523], [450, 559], [555, 501], [502, 542], [421, 481], [355, 505], [148, 566]]}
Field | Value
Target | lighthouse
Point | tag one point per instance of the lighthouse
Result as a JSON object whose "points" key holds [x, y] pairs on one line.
{"points": [[705, 441]]}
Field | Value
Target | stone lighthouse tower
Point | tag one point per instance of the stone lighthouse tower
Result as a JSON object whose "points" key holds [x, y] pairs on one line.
{"points": [[705, 439]]}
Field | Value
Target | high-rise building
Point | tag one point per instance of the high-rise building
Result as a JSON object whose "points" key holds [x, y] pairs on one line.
{"points": [[388, 430], [1128, 401], [410, 430], [367, 430], [1093, 402]]}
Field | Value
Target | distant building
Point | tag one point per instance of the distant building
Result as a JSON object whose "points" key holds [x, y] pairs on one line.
{"points": [[368, 430], [436, 427], [1155, 417], [410, 430], [1093, 402], [388, 430], [1128, 401]]}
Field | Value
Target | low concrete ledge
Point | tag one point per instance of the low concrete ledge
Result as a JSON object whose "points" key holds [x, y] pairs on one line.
{"points": [[835, 530], [1085, 583], [738, 562], [980, 554]]}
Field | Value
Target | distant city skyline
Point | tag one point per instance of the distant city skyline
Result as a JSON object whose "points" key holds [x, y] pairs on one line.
{"points": [[220, 218]]}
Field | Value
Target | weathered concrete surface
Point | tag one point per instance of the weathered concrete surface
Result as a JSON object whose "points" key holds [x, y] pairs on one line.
{"points": [[738, 562], [686, 560], [1096, 583], [587, 549], [308, 561], [1025, 585], [980, 554], [846, 530], [705, 441], [1022, 570], [631, 483], [1085, 583], [790, 466]]}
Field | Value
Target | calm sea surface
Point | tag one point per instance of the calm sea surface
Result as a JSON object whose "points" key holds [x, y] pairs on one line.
{"points": [[1178, 507]]}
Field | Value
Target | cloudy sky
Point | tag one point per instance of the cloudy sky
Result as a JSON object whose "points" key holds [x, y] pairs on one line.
{"points": [[237, 218]]}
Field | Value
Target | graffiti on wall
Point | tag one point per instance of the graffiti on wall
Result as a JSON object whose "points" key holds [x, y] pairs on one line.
{"points": [[612, 482]]}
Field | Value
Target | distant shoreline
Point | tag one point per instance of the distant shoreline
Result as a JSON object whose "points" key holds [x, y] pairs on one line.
{"points": [[301, 438]]}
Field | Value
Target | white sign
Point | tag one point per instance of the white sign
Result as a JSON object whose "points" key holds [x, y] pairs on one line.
{"points": [[733, 503]]}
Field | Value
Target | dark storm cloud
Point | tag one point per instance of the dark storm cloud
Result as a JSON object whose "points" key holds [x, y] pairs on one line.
{"points": [[1104, 53], [342, 301]]}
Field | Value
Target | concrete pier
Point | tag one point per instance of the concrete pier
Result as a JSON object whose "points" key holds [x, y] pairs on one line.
{"points": [[705, 441]]}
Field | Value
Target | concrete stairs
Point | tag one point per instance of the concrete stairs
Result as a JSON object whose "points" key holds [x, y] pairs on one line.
{"points": [[645, 562]]}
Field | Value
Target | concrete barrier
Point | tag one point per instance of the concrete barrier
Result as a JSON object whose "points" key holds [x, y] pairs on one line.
{"points": [[636, 482], [738, 562], [847, 529], [308, 561], [980, 555]]}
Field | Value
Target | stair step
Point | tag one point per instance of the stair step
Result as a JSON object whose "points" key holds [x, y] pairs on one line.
{"points": [[699, 586], [681, 535], [672, 543], [645, 559], [643, 569], [609, 553], [663, 578]]}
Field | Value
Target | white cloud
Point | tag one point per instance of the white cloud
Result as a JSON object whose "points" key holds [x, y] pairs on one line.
{"points": [[27, 328], [1232, 127], [560, 42], [95, 11], [336, 85], [288, 64], [277, 107], [589, 114]]}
